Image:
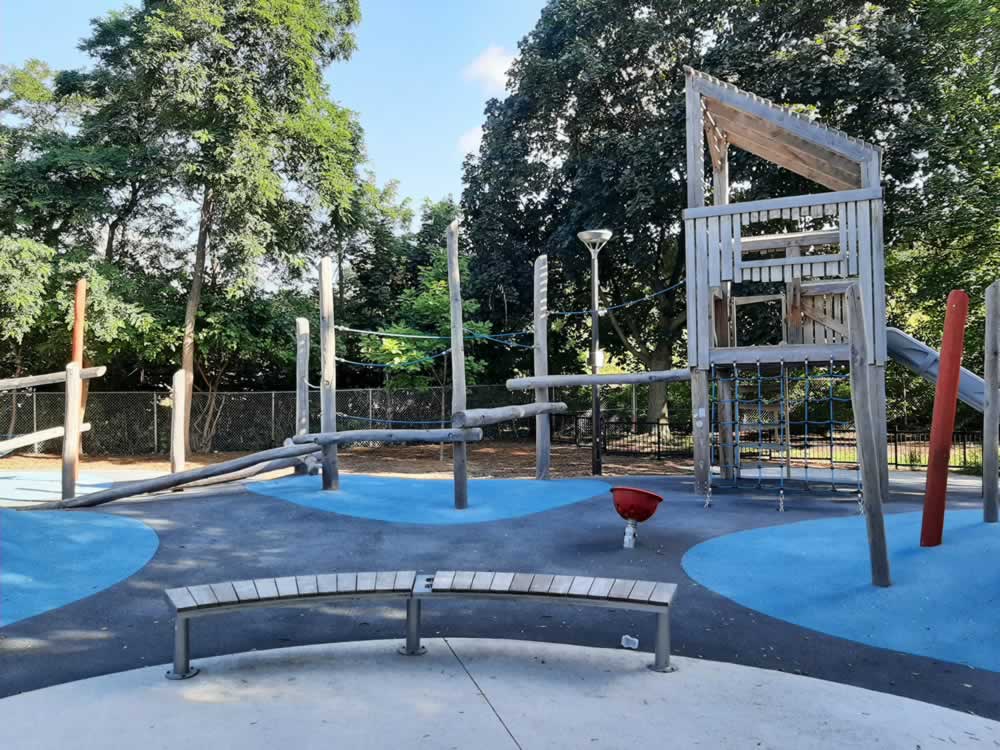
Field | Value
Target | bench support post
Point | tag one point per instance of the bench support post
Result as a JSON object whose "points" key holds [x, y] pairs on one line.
{"points": [[182, 651], [661, 661], [412, 647]]}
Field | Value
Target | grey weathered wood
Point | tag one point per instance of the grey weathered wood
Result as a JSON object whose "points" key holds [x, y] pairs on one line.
{"points": [[581, 585], [33, 381], [560, 585], [540, 354], [326, 583], [787, 353], [246, 591], [366, 581], [157, 484], [642, 591], [463, 580], [701, 432], [797, 201], [250, 471], [991, 412], [521, 583], [483, 417], [828, 286], [405, 580], [448, 435], [224, 593], [307, 585], [600, 588], [328, 373], [621, 588], [459, 451], [621, 378], [72, 418], [287, 588], [540, 584], [347, 583], [443, 579], [502, 582], [266, 588], [301, 376], [178, 397], [203, 595], [385, 580], [181, 599], [482, 581], [663, 593], [694, 144], [868, 444], [52, 433]]}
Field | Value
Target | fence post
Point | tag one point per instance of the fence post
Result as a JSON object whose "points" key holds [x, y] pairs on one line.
{"points": [[273, 426], [34, 415], [156, 428], [658, 440]]}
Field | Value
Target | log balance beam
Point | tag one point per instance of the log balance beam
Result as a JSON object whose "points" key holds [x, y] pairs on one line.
{"points": [[390, 436], [621, 378], [483, 417]]}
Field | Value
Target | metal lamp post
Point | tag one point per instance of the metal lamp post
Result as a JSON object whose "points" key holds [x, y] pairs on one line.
{"points": [[595, 239]]}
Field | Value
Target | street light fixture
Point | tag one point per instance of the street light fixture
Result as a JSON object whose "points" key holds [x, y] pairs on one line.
{"points": [[595, 239]]}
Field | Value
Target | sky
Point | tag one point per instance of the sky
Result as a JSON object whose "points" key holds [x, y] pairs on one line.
{"points": [[419, 79]]}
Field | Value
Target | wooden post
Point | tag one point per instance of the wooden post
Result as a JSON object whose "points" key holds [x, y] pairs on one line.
{"points": [[71, 427], [459, 453], [178, 398], [543, 433], [328, 377], [301, 376], [700, 434], [793, 302], [864, 421], [79, 327], [991, 411]]}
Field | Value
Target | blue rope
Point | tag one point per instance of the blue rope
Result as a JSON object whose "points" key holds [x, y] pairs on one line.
{"points": [[380, 365], [392, 421], [621, 305], [510, 344]]}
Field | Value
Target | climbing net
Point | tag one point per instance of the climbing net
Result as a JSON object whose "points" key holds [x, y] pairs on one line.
{"points": [[772, 423]]}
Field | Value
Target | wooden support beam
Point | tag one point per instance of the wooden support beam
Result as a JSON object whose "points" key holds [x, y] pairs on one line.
{"points": [[33, 381], [328, 375], [620, 378], [991, 412], [543, 427], [765, 242], [71, 436], [459, 452], [20, 441], [168, 481], [177, 442], [788, 353], [301, 376], [868, 443], [483, 417], [701, 431], [791, 201], [438, 435]]}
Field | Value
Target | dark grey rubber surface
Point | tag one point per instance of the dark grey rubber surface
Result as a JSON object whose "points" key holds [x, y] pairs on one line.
{"points": [[232, 534]]}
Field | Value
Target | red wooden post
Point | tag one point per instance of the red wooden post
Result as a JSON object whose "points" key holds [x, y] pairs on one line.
{"points": [[943, 421]]}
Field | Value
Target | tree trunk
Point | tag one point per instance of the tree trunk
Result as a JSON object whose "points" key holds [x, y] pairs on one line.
{"points": [[193, 303], [657, 406]]}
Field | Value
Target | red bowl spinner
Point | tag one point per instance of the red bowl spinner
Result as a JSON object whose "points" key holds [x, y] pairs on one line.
{"points": [[634, 504]]}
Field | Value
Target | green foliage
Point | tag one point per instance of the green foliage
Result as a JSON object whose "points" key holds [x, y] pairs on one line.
{"points": [[25, 269]]}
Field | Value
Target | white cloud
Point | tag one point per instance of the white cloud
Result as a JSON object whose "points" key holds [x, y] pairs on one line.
{"points": [[489, 69], [468, 142]]}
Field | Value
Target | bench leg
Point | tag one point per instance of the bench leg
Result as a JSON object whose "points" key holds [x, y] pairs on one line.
{"points": [[182, 652], [412, 647], [661, 662]]}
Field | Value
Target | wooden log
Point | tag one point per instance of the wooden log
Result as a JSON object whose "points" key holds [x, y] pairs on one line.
{"points": [[482, 417], [701, 427], [251, 471], [868, 443], [32, 381], [177, 442], [543, 427], [328, 377], [991, 413], [79, 327], [20, 441], [444, 434], [621, 378], [797, 201], [459, 453], [71, 425], [168, 481], [301, 376]]}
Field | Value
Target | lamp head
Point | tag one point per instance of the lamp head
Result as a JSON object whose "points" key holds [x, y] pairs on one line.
{"points": [[594, 239]]}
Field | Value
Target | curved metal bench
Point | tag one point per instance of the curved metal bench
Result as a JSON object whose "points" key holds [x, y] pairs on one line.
{"points": [[609, 593]]}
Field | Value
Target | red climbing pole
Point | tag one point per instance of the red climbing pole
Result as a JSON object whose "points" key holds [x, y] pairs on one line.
{"points": [[943, 421]]}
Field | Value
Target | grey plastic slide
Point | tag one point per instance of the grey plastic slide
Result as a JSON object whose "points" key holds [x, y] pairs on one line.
{"points": [[916, 356]]}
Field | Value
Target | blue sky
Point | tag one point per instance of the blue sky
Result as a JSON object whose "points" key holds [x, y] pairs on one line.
{"points": [[419, 80]]}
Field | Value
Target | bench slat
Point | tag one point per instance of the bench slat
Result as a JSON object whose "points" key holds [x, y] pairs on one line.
{"points": [[266, 588], [600, 588], [581, 585], [224, 593], [404, 580], [366, 581], [463, 580], [622, 588], [181, 599], [203, 595], [663, 593], [347, 583], [385, 580], [540, 584], [501, 582], [326, 583], [246, 591], [521, 583], [307, 585], [560, 585], [482, 581], [286, 587], [642, 591], [443, 580]]}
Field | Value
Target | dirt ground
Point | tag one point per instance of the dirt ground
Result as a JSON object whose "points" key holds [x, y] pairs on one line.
{"points": [[494, 459]]}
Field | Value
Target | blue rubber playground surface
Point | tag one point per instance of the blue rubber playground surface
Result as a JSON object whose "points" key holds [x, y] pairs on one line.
{"points": [[51, 558], [44, 486], [944, 602], [431, 501]]}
